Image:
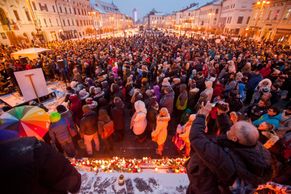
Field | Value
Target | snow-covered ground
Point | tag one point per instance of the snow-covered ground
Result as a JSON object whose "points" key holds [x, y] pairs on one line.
{"points": [[58, 87], [145, 182]]}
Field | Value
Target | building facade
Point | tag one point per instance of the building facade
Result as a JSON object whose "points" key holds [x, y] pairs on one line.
{"points": [[271, 20], [17, 22], [110, 19], [27, 21], [235, 16]]}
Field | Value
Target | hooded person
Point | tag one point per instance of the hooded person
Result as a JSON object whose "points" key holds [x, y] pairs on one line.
{"points": [[208, 90], [67, 115], [91, 103], [75, 106], [159, 135], [58, 131], [118, 117], [152, 113], [185, 132], [167, 100], [138, 121]]}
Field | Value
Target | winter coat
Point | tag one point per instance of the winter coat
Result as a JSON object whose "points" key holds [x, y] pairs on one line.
{"points": [[285, 123], [253, 82], [168, 101], [161, 131], [218, 90], [68, 118], [217, 163], [88, 123], [102, 120], [208, 92], [182, 100], [28, 165], [151, 118], [139, 120], [118, 116], [76, 108], [59, 131], [275, 120]]}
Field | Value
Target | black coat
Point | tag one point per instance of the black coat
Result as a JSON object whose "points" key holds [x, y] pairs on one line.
{"points": [[31, 166], [214, 164], [117, 115]]}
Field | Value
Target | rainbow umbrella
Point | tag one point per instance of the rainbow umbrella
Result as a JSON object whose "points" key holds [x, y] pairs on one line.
{"points": [[26, 120]]}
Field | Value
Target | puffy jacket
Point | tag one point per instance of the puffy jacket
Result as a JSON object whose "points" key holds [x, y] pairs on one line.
{"points": [[89, 123], [59, 131], [139, 120], [68, 117], [161, 130], [28, 165], [275, 120]]}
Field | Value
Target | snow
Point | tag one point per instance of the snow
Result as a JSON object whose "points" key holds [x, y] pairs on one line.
{"points": [[146, 182]]}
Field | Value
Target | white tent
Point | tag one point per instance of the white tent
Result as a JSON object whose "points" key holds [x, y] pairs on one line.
{"points": [[31, 53]]}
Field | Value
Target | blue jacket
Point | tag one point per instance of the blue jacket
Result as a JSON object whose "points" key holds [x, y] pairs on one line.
{"points": [[254, 81], [275, 120]]}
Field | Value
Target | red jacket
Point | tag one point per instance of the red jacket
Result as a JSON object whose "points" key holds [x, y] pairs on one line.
{"points": [[218, 90]]}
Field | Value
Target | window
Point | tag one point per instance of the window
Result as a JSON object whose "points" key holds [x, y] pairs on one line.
{"points": [[33, 5], [79, 11], [54, 8], [248, 20], [42, 7], [44, 21], [64, 22], [69, 22], [3, 35], [27, 15], [276, 14], [57, 22], [70, 10], [216, 11], [66, 10], [73, 22], [16, 15], [240, 19], [50, 22], [77, 22], [75, 11], [269, 15], [61, 11]]}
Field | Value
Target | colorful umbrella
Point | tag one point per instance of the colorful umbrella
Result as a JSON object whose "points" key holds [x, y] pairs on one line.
{"points": [[26, 120]]}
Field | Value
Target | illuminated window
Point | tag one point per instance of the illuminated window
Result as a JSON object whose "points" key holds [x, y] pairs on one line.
{"points": [[240, 19], [27, 15], [16, 15]]}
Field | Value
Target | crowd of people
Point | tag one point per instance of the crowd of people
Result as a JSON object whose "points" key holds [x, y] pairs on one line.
{"points": [[206, 89]]}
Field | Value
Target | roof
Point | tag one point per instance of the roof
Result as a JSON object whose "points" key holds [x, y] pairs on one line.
{"points": [[104, 7]]}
